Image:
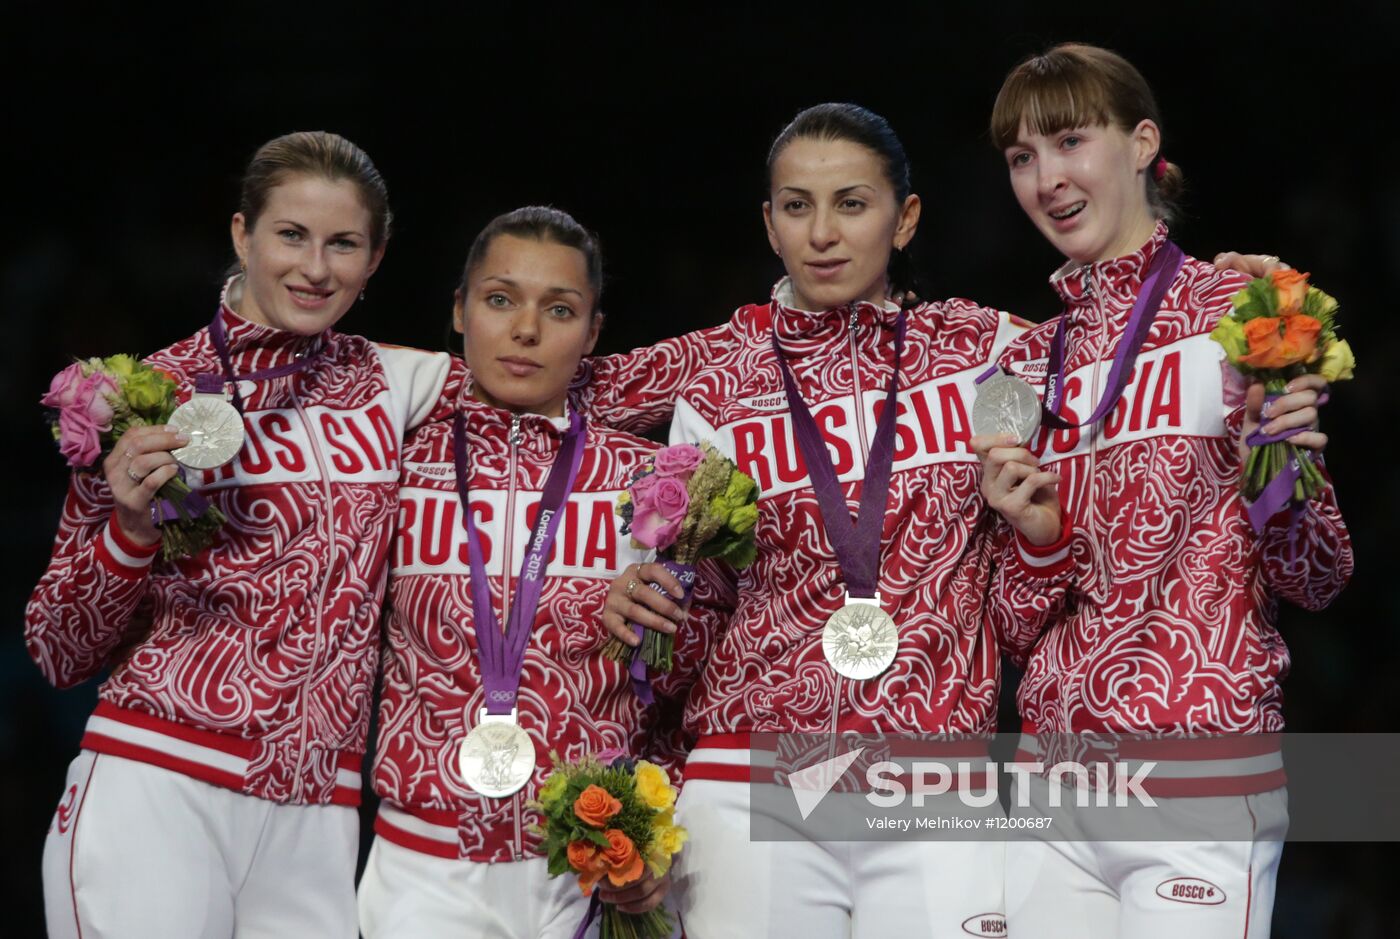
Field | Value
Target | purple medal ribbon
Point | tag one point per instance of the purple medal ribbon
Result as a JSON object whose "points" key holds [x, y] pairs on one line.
{"points": [[857, 546], [1160, 275], [163, 510], [1279, 492], [211, 383], [503, 654]]}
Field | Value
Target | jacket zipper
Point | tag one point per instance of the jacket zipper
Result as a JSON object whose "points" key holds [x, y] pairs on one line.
{"points": [[859, 408], [1100, 565], [320, 605], [507, 566]]}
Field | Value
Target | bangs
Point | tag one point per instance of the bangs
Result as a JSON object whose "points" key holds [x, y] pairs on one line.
{"points": [[1051, 95]]}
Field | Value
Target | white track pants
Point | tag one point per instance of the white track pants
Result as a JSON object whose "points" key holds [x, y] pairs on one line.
{"points": [[1100, 889], [406, 894], [140, 852], [728, 886]]}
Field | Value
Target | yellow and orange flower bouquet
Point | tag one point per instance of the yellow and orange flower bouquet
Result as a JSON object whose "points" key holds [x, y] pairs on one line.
{"points": [[1281, 327], [611, 817]]}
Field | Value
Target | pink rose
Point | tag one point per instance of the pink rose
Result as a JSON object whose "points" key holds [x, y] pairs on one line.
{"points": [[84, 413], [682, 458], [657, 512], [64, 387], [641, 488]]}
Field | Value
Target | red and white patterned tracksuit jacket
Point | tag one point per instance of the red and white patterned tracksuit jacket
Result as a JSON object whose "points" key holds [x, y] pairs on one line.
{"points": [[1156, 614], [257, 667], [572, 701]]}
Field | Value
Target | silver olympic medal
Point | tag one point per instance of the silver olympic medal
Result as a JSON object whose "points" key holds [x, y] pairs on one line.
{"points": [[860, 639], [497, 758], [1006, 405], [215, 429]]}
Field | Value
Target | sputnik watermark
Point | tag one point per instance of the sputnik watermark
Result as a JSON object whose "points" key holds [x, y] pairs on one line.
{"points": [[889, 784]]}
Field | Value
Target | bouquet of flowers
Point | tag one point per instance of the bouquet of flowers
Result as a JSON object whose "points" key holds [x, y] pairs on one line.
{"points": [[1282, 327], [690, 502], [92, 403], [611, 819]]}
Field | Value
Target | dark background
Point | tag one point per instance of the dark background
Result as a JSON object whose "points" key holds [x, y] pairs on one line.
{"points": [[125, 134]]}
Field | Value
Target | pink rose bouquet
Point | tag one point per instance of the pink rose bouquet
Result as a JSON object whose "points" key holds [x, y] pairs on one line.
{"points": [[690, 502], [92, 403]]}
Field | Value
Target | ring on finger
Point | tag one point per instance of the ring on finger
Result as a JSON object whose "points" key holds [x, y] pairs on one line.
{"points": [[134, 477], [632, 585], [1270, 258]]}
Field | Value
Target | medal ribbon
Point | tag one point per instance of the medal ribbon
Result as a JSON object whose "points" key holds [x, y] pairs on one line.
{"points": [[1160, 274], [210, 383], [163, 510], [503, 653], [857, 546]]}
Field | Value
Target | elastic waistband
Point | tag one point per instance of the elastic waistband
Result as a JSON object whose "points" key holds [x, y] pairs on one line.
{"points": [[215, 758], [748, 757], [427, 831], [1167, 767]]}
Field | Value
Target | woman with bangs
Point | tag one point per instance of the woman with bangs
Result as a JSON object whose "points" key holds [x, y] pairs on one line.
{"points": [[1151, 614]]}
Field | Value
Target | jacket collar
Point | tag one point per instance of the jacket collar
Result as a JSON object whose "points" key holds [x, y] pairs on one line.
{"points": [[535, 432], [1091, 291], [803, 332], [276, 346]]}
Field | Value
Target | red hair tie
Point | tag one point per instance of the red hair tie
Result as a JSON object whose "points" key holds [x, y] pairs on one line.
{"points": [[1159, 169]]}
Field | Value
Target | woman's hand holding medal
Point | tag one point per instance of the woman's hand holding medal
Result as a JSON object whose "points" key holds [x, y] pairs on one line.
{"points": [[139, 464], [1014, 484]]}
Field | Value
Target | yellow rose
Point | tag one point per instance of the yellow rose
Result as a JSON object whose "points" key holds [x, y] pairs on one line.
{"points": [[1337, 362], [671, 838], [1326, 303], [654, 786]]}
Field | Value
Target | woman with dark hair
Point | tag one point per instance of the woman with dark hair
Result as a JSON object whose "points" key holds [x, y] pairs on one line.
{"points": [[833, 396], [840, 402], [215, 792], [507, 525], [1152, 612]]}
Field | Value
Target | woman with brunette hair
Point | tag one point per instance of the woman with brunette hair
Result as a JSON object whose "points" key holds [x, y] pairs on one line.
{"points": [[1150, 612], [215, 792], [507, 534]]}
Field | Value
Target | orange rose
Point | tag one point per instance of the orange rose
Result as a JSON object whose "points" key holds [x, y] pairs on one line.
{"points": [[1292, 287], [582, 855], [1276, 342], [1262, 335], [595, 805], [586, 858], [624, 862], [1300, 337]]}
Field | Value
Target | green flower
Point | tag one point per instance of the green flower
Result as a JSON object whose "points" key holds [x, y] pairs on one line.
{"points": [[743, 518], [553, 789], [741, 487], [147, 390], [121, 366], [1230, 334]]}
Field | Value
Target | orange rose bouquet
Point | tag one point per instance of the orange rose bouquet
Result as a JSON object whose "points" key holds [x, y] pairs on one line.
{"points": [[1282, 327], [611, 817]]}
